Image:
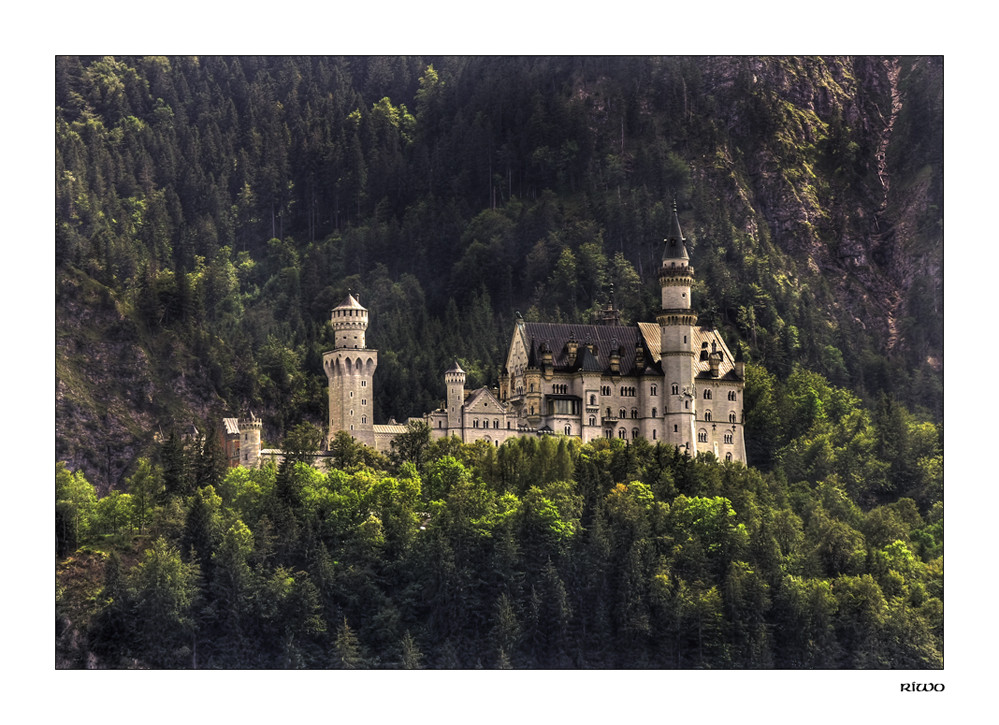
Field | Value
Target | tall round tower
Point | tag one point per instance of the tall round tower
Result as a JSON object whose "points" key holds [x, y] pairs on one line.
{"points": [[676, 326], [454, 378], [350, 367], [249, 444]]}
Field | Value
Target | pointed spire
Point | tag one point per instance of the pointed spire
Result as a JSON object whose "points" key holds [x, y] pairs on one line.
{"points": [[676, 247], [532, 356]]}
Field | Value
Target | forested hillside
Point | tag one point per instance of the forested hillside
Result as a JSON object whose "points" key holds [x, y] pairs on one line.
{"points": [[211, 211]]}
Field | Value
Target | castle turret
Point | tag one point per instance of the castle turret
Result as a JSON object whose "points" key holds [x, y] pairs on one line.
{"points": [[454, 379], [676, 324], [350, 367], [249, 444]]}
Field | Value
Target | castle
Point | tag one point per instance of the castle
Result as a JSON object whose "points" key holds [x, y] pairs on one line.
{"points": [[670, 381]]}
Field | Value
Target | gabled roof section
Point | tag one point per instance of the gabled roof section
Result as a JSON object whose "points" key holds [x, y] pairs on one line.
{"points": [[483, 402], [652, 335], [587, 363], [532, 357]]}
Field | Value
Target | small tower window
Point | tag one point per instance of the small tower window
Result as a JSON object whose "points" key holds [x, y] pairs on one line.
{"points": [[653, 435], [654, 389], [731, 417], [654, 412], [707, 395], [676, 389], [707, 415]]}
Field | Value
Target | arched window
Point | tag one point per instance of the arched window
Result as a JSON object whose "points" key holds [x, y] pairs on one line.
{"points": [[654, 389], [475, 423], [496, 424], [674, 429], [654, 412], [621, 433], [728, 437], [593, 400], [731, 417], [653, 434], [624, 413], [609, 413], [568, 430], [593, 420], [707, 415], [707, 395], [702, 436], [728, 456], [675, 388], [634, 433], [732, 395], [634, 412]]}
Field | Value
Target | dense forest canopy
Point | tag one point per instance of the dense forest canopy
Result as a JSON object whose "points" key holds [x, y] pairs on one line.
{"points": [[210, 211]]}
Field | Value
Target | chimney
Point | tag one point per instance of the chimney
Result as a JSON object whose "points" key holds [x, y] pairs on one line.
{"points": [[615, 358], [571, 347]]}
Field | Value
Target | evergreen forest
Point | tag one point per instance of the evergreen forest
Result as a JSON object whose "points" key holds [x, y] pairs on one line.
{"points": [[211, 211]]}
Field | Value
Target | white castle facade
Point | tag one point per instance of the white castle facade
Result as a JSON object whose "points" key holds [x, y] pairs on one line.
{"points": [[668, 381]]}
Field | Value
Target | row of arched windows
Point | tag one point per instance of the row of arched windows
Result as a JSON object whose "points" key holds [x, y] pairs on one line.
{"points": [[485, 423]]}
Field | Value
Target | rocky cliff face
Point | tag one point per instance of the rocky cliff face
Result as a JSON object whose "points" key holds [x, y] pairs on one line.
{"points": [[833, 168]]}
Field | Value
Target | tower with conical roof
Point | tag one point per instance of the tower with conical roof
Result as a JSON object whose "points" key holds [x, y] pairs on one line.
{"points": [[454, 379], [350, 367], [676, 324]]}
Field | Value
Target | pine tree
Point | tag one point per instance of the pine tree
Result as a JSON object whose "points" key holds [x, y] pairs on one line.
{"points": [[347, 649]]}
